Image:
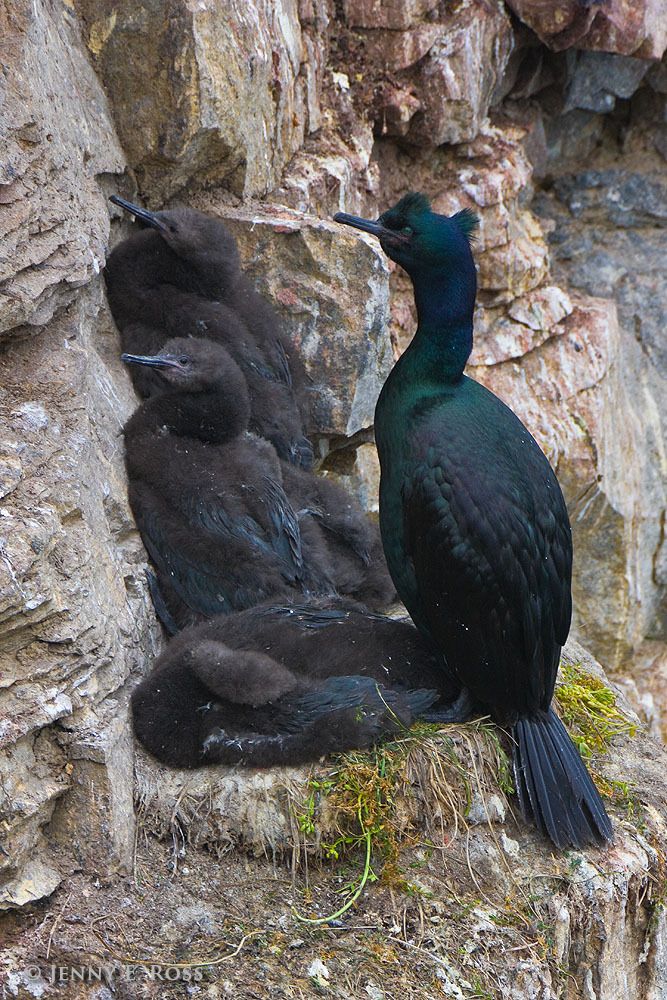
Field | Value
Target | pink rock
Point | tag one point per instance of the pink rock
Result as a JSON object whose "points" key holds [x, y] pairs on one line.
{"points": [[457, 78], [528, 322], [395, 14], [397, 50], [399, 106], [622, 26]]}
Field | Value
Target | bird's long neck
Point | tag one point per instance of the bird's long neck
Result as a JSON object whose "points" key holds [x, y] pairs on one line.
{"points": [[206, 416], [445, 304]]}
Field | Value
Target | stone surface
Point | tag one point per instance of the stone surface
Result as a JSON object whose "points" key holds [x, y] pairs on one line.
{"points": [[73, 605], [332, 291], [58, 143], [457, 79], [358, 470], [610, 238], [598, 78], [633, 29], [446, 69], [394, 14], [33, 775], [333, 172], [207, 91], [95, 822], [527, 323], [398, 50]]}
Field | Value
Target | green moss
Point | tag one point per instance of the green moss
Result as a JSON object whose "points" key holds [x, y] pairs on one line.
{"points": [[589, 710], [362, 789]]}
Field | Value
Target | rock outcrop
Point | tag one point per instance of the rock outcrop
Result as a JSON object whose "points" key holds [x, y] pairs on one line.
{"points": [[466, 898]]}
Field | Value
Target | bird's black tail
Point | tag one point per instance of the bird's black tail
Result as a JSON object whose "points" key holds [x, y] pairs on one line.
{"points": [[555, 790]]}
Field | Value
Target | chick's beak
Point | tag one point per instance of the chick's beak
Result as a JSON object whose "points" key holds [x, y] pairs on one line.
{"points": [[142, 214], [150, 360]]}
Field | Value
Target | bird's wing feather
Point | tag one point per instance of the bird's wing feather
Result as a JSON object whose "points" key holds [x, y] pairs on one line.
{"points": [[198, 585], [285, 370], [491, 554], [209, 578], [286, 540], [281, 537]]}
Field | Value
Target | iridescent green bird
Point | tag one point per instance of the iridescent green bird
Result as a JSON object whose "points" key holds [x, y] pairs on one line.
{"points": [[474, 525]]}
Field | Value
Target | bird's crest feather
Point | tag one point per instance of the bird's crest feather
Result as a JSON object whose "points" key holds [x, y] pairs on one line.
{"points": [[467, 222], [414, 201]]}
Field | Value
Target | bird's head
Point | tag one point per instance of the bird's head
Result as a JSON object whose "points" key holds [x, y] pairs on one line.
{"points": [[193, 365], [192, 235], [417, 238]]}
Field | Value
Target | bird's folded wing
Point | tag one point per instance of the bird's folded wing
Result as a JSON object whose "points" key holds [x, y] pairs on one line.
{"points": [[197, 584], [492, 567], [282, 540], [286, 539]]}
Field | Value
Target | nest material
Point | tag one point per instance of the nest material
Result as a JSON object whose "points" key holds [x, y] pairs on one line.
{"points": [[428, 783]]}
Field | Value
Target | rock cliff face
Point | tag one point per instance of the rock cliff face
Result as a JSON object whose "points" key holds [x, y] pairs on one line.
{"points": [[275, 115]]}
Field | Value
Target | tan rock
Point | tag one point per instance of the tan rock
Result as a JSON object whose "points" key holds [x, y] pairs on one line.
{"points": [[357, 468], [94, 823], [331, 290], [58, 139], [455, 81], [397, 50], [527, 323], [71, 594], [212, 92], [333, 174], [517, 267], [433, 80], [399, 106], [37, 881], [33, 775], [74, 610], [396, 14]]}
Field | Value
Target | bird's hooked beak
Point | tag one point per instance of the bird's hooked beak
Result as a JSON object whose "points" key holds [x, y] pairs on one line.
{"points": [[148, 218], [151, 360], [374, 228]]}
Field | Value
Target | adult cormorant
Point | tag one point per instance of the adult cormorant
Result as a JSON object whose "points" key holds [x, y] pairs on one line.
{"points": [[474, 525]]}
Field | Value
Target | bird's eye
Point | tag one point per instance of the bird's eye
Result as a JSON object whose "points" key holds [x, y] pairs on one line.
{"points": [[407, 230], [184, 360], [172, 228]]}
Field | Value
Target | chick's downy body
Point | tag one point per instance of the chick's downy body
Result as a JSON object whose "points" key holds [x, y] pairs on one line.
{"points": [[207, 495], [284, 684], [180, 277]]}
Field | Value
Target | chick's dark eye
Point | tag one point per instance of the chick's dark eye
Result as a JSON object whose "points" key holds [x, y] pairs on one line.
{"points": [[184, 360]]}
